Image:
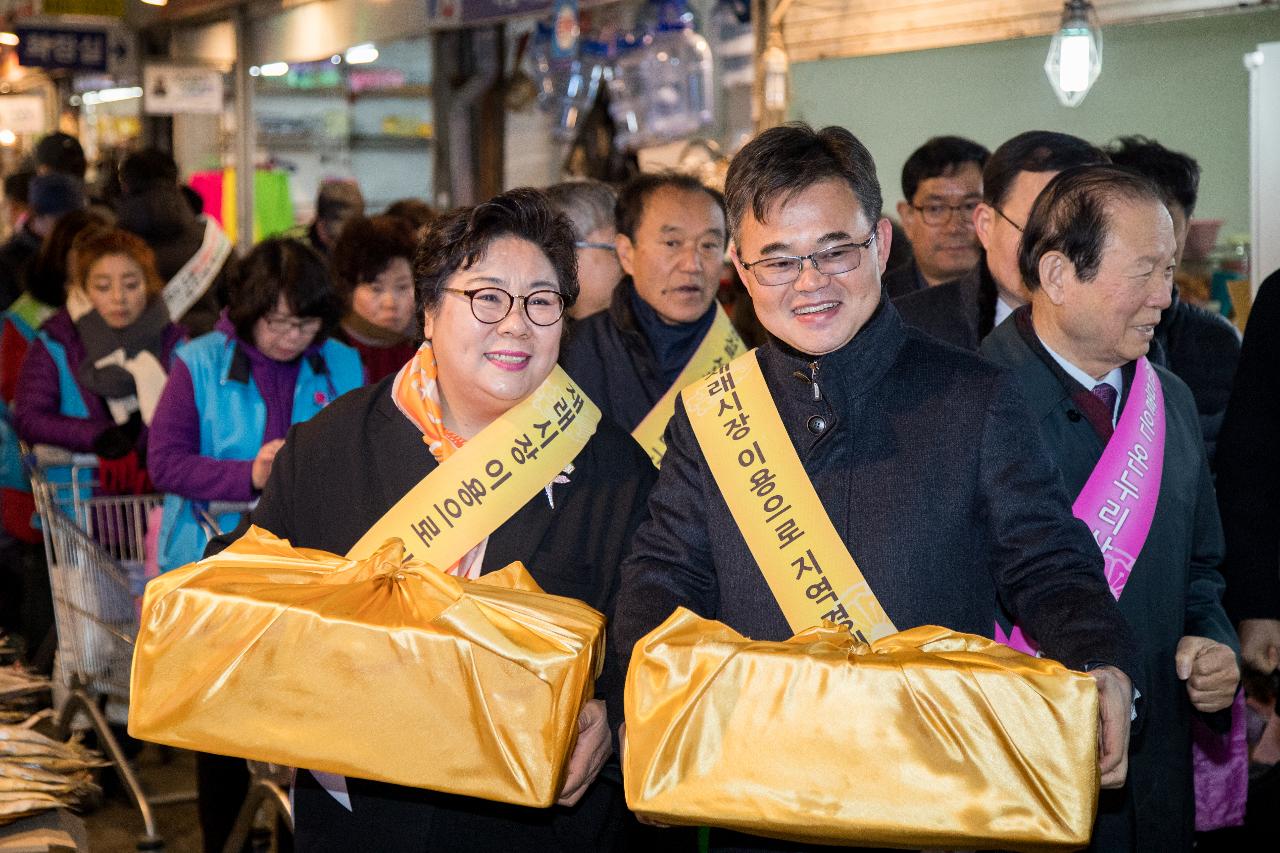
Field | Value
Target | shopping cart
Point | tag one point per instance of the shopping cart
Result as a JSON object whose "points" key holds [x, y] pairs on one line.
{"points": [[96, 551]]}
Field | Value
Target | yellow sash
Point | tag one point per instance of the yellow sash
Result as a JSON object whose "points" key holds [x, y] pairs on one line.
{"points": [[719, 346], [490, 477], [809, 569]]}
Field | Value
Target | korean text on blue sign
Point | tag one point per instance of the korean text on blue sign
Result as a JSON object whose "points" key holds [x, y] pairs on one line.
{"points": [[80, 49]]}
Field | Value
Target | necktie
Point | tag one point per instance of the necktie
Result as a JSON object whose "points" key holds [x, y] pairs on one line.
{"points": [[1107, 394]]}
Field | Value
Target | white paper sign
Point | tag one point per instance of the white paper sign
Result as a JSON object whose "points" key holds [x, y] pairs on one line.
{"points": [[179, 89], [23, 113]]}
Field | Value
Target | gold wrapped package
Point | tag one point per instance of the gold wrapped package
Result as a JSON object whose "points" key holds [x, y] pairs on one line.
{"points": [[379, 668], [926, 738]]}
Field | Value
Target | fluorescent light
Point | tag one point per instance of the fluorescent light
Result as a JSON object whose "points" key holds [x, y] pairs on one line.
{"points": [[156, 2], [1073, 68], [10, 39], [361, 54], [274, 69], [107, 96], [1075, 53], [7, 137]]}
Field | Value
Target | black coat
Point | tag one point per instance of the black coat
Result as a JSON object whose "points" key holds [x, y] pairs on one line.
{"points": [[1175, 588], [960, 312], [1249, 466], [334, 477], [1202, 349], [932, 471], [903, 279], [610, 358]]}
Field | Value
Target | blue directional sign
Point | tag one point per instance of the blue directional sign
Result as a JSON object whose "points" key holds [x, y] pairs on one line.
{"points": [[73, 48]]}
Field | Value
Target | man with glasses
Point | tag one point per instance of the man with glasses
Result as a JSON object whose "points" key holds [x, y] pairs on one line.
{"points": [[670, 240], [589, 206], [965, 311], [941, 187], [923, 460]]}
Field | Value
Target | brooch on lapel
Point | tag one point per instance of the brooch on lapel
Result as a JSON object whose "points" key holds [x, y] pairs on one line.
{"points": [[562, 477]]}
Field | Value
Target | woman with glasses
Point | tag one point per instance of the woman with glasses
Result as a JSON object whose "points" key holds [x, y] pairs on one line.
{"points": [[231, 397], [493, 283]]}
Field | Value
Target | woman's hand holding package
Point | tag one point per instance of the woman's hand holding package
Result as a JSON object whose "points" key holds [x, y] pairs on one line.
{"points": [[1115, 707], [1210, 670], [262, 462], [589, 754]]}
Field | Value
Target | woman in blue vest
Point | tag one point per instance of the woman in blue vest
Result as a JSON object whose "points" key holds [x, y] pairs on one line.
{"points": [[86, 382], [232, 395]]}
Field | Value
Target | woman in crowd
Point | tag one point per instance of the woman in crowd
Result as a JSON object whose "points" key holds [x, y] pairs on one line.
{"points": [[90, 384], [44, 292], [371, 263], [231, 397], [492, 285]]}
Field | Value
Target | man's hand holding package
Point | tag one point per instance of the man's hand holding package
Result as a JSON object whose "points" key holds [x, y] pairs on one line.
{"points": [[1115, 705], [589, 754], [1210, 670]]}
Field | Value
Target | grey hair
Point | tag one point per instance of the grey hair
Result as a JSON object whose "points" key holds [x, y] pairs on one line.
{"points": [[588, 204]]}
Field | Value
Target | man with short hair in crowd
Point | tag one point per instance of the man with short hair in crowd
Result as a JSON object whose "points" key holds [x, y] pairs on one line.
{"points": [[589, 206], [49, 197], [963, 312], [61, 153], [1201, 347], [924, 459], [337, 202], [671, 238], [941, 187], [1098, 256]]}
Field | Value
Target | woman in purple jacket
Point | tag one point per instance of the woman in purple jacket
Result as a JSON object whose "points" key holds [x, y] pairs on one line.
{"points": [[90, 384]]}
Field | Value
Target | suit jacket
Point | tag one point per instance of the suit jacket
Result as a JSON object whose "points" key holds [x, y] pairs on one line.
{"points": [[1249, 466], [334, 477], [935, 476], [1202, 349], [960, 312], [903, 279], [610, 358], [1175, 588]]}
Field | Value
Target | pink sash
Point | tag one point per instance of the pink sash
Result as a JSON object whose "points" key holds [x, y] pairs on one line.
{"points": [[1118, 502]]}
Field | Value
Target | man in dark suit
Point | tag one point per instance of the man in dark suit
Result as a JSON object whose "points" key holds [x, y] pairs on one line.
{"points": [[1098, 255], [923, 457], [941, 187], [964, 311]]}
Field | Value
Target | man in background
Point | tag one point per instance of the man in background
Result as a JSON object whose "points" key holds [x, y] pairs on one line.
{"points": [[941, 188], [50, 196], [589, 206], [965, 311], [1200, 347]]}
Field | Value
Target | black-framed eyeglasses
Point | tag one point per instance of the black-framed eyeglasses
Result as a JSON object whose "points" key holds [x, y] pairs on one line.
{"points": [[586, 244], [493, 304], [1006, 218], [278, 325], [938, 213], [781, 270]]}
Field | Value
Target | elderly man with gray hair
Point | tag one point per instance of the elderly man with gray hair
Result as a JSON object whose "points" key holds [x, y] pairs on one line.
{"points": [[1097, 257], [589, 206]]}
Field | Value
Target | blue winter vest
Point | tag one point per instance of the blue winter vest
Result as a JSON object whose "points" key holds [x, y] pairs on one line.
{"points": [[233, 418]]}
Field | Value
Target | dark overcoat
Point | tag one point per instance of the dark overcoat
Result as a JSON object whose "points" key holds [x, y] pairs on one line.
{"points": [[930, 467], [1175, 588], [335, 476]]}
